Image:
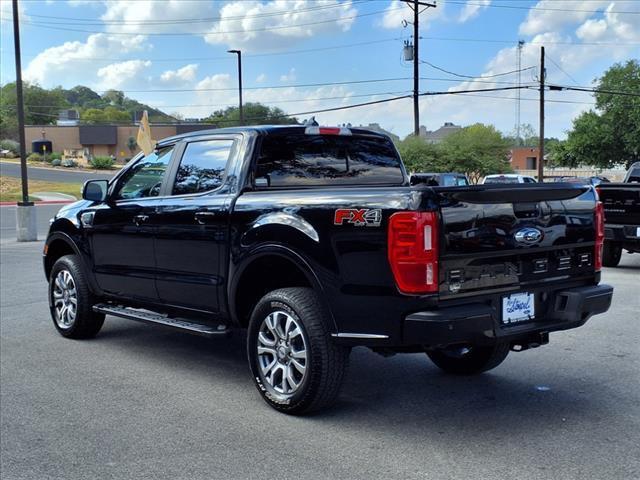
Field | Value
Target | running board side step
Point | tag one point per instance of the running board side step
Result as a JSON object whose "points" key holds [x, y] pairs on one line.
{"points": [[147, 316]]}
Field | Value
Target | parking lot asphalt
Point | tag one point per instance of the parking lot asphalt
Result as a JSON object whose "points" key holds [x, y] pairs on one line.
{"points": [[144, 402]]}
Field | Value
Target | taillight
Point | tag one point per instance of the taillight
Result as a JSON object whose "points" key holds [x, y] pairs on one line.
{"points": [[413, 251], [599, 224]]}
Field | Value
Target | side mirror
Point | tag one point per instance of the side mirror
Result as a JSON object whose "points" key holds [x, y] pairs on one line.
{"points": [[95, 190]]}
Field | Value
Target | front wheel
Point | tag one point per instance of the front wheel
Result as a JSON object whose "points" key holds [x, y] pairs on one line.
{"points": [[71, 302], [611, 254], [295, 364], [469, 360]]}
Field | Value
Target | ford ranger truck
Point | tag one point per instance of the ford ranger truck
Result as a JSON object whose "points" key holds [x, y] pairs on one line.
{"points": [[314, 241], [621, 203]]}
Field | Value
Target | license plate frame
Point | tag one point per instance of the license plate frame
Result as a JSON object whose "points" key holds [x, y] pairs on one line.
{"points": [[518, 308]]}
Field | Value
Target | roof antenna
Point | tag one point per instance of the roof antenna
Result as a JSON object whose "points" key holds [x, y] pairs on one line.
{"points": [[311, 121]]}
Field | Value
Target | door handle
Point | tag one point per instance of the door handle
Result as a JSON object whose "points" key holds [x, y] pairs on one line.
{"points": [[204, 217], [140, 219]]}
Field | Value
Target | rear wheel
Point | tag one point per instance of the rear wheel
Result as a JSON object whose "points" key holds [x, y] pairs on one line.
{"points": [[295, 363], [469, 360], [71, 302], [611, 254]]}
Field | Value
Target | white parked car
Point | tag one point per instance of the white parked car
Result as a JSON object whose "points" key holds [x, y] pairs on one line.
{"points": [[508, 178]]}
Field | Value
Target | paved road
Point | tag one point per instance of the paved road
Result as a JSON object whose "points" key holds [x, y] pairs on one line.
{"points": [[8, 221], [50, 175], [147, 403]]}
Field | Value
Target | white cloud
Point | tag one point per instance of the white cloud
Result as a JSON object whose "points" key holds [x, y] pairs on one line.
{"points": [[120, 75], [552, 15], [472, 9], [254, 25], [261, 78], [147, 16], [181, 76], [612, 27], [56, 65], [289, 77]]}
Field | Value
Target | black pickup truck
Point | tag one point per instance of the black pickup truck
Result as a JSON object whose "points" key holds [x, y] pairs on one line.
{"points": [[313, 239], [621, 202]]}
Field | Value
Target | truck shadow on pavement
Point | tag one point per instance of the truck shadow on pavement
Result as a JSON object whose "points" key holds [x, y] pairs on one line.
{"points": [[404, 391]]}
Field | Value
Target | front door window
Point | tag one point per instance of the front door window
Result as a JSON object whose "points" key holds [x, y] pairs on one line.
{"points": [[144, 179]]}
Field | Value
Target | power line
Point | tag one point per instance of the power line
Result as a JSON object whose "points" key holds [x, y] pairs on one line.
{"points": [[46, 25], [562, 70], [296, 100], [595, 90], [512, 42], [269, 54], [475, 76], [91, 21], [542, 9]]}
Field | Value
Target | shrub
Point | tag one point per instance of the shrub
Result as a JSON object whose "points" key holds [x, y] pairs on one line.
{"points": [[67, 162], [54, 156], [35, 157], [11, 145], [102, 163], [56, 162]]}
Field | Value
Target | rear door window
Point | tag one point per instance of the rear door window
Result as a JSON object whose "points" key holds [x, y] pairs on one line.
{"points": [[313, 160], [202, 166]]}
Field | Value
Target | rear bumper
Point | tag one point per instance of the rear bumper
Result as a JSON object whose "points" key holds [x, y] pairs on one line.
{"points": [[627, 234], [480, 323]]}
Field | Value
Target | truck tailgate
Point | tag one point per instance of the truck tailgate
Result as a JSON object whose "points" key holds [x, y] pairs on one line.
{"points": [[507, 238], [621, 202]]}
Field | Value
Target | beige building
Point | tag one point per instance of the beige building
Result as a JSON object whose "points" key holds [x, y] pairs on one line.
{"points": [[102, 140]]}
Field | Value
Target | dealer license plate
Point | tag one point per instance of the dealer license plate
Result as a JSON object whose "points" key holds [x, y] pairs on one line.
{"points": [[518, 307]]}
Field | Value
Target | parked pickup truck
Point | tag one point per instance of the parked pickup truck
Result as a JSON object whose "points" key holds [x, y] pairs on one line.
{"points": [[621, 202], [313, 240]]}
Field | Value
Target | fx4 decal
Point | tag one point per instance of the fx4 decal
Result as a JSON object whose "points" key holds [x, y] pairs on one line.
{"points": [[370, 217]]}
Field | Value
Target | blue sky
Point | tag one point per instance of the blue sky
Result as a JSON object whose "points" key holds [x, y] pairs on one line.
{"points": [[172, 54]]}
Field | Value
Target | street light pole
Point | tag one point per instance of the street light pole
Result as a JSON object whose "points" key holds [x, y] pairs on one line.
{"points": [[239, 53], [25, 212]]}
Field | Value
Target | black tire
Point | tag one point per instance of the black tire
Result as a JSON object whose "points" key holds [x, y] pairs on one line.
{"points": [[611, 254], [471, 360], [325, 362], [86, 323]]}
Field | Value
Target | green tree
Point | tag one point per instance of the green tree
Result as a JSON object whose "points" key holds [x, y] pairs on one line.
{"points": [[93, 115], [476, 150], [421, 156], [114, 97], [254, 114], [41, 107], [610, 134], [115, 115]]}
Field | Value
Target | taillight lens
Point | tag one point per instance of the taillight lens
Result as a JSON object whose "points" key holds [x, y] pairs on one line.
{"points": [[413, 251], [599, 224]]}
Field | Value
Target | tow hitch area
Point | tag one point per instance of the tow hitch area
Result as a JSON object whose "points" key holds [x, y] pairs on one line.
{"points": [[534, 340]]}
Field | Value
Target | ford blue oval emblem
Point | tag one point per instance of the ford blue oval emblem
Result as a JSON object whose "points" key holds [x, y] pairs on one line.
{"points": [[528, 236]]}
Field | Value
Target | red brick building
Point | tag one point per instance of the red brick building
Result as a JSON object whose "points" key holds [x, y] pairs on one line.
{"points": [[524, 158]]}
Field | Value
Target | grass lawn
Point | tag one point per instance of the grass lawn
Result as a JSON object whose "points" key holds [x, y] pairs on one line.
{"points": [[11, 188]]}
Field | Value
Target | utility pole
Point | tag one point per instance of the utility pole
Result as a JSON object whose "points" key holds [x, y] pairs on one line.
{"points": [[415, 6], [239, 53], [543, 74], [520, 45], [25, 212]]}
